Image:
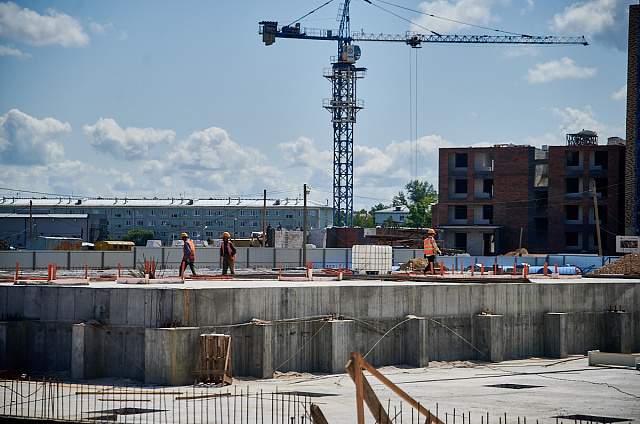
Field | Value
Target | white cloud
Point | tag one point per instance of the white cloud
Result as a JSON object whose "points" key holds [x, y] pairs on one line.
{"points": [[27, 140], [30, 27], [10, 51], [557, 70], [603, 20], [477, 12], [620, 95], [128, 144], [97, 28], [573, 121]]}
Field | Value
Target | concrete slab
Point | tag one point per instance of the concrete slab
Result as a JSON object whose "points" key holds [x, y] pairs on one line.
{"points": [[538, 390]]}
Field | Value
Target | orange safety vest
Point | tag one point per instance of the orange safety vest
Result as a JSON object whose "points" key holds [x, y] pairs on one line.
{"points": [[429, 247], [189, 254], [227, 249]]}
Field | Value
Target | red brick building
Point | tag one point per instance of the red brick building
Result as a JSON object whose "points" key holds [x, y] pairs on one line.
{"points": [[492, 200]]}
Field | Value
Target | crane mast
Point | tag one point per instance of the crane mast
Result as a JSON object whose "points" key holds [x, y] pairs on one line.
{"points": [[343, 76]]}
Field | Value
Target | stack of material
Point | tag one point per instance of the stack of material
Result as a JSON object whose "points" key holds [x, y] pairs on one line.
{"points": [[344, 237], [287, 239], [628, 264], [372, 259]]}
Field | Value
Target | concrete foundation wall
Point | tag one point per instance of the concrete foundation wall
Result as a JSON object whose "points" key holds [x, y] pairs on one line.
{"points": [[120, 331]]}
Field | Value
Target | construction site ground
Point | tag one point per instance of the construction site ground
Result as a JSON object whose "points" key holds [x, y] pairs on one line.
{"points": [[538, 390]]}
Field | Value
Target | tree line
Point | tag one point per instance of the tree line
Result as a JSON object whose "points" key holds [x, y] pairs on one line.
{"points": [[417, 195]]}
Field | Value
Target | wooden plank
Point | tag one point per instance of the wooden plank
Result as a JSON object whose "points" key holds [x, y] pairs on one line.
{"points": [[432, 418], [317, 416], [376, 408]]}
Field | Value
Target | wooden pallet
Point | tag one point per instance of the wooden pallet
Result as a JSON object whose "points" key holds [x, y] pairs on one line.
{"points": [[214, 362]]}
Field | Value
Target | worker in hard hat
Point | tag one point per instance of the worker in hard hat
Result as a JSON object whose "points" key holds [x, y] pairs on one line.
{"points": [[430, 250], [189, 255], [228, 254]]}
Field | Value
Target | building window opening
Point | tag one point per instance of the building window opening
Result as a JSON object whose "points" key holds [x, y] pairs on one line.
{"points": [[540, 229], [602, 185], [460, 241], [572, 239], [540, 201], [541, 178], [601, 159], [572, 186], [572, 213], [461, 160], [487, 213], [487, 187], [460, 187], [460, 212], [572, 159]]}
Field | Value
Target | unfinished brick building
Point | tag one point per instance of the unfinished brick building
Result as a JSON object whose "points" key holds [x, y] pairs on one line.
{"points": [[493, 200]]}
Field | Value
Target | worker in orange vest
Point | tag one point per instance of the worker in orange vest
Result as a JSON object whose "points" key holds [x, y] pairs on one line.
{"points": [[189, 255], [430, 250], [228, 254]]}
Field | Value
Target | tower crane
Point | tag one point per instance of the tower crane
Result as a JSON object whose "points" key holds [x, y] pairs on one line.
{"points": [[343, 75]]}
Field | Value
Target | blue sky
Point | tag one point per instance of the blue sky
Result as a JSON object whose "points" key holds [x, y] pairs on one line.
{"points": [[170, 99]]}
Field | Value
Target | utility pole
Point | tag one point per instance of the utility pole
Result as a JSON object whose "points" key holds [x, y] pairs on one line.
{"points": [[264, 220], [304, 228], [595, 210]]}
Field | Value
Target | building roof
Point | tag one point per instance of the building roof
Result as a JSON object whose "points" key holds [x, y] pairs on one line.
{"points": [[44, 215], [395, 209], [157, 203]]}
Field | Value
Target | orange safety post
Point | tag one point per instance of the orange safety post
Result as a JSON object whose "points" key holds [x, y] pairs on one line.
{"points": [[482, 269], [146, 267], [501, 270], [17, 268], [495, 268], [524, 270], [515, 264], [545, 269], [461, 268], [441, 269], [575, 270], [556, 268], [473, 266], [86, 271], [153, 267], [49, 268], [55, 271], [118, 269]]}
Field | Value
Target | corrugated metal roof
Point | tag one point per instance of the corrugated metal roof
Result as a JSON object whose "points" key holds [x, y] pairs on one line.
{"points": [[158, 203]]}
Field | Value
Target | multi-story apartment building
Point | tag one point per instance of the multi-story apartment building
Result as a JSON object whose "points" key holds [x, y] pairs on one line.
{"points": [[168, 218], [493, 200]]}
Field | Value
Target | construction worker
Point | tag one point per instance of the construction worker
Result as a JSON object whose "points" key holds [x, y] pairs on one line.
{"points": [[430, 250], [189, 255], [228, 254]]}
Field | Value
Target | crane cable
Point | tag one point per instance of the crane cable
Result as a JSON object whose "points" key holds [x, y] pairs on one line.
{"points": [[304, 16], [439, 17]]}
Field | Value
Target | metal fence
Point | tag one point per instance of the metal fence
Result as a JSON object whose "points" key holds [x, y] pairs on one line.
{"points": [[209, 257]]}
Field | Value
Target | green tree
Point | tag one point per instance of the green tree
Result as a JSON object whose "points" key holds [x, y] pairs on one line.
{"points": [[138, 236], [363, 219], [419, 198]]}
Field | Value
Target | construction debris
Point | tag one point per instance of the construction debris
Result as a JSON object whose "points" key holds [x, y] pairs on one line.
{"points": [[626, 265], [417, 264], [518, 252]]}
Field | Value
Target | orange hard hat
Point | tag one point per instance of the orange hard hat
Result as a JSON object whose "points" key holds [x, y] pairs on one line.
{"points": [[225, 234], [184, 235], [431, 231]]}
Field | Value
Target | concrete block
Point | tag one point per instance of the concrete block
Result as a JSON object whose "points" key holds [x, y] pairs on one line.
{"points": [[489, 337], [416, 342], [171, 355], [617, 334], [341, 344], [261, 353], [555, 335]]}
